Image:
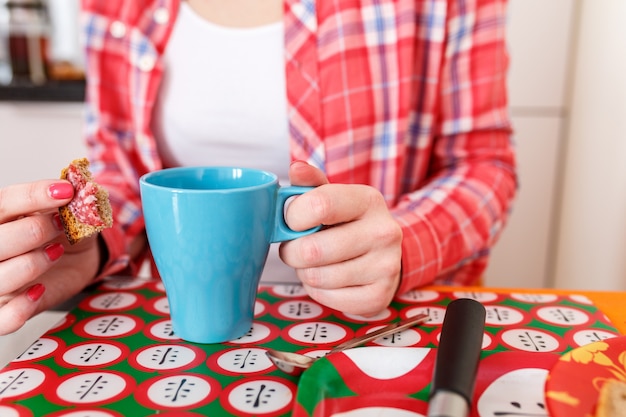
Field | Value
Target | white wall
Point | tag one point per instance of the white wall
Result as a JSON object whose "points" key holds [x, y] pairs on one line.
{"points": [[592, 223], [540, 46], [568, 102]]}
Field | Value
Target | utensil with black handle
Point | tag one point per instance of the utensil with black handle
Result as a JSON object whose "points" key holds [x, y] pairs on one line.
{"points": [[458, 355]]}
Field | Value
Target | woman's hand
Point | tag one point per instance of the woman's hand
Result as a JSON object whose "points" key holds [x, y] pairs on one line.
{"points": [[38, 267], [353, 264]]}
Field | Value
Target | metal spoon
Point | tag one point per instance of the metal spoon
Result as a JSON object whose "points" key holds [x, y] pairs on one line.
{"points": [[295, 363]]}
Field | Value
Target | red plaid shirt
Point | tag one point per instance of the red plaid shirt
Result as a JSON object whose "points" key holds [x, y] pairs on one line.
{"points": [[408, 96]]}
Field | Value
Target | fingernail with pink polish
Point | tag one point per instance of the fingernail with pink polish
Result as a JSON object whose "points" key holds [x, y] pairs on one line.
{"points": [[56, 219], [298, 164], [61, 190], [35, 292], [54, 251]]}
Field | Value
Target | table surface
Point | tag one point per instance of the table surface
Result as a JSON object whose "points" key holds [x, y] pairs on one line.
{"points": [[117, 333], [611, 303]]}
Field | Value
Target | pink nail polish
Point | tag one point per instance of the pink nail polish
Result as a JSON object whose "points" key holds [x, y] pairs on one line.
{"points": [[35, 292], [56, 219], [61, 190], [54, 251], [296, 162]]}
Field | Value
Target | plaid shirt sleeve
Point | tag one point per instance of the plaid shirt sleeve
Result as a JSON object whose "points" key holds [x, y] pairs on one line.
{"points": [[409, 96], [452, 219], [123, 42]]}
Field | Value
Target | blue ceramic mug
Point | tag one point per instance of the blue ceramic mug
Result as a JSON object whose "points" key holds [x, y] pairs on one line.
{"points": [[209, 230]]}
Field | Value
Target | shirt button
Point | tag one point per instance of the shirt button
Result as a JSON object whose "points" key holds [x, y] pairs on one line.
{"points": [[146, 63], [161, 15], [118, 29]]}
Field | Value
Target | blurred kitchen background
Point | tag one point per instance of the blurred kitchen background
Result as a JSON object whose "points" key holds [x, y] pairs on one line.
{"points": [[568, 103]]}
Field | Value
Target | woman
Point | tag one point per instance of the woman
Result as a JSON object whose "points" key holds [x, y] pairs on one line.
{"points": [[395, 109]]}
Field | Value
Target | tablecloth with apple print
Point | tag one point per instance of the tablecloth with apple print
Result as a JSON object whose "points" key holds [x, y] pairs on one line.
{"points": [[116, 354]]}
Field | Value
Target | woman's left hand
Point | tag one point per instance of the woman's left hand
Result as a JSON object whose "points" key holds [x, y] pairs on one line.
{"points": [[354, 263]]}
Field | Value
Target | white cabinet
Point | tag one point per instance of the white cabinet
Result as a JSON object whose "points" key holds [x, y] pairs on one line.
{"points": [[540, 41], [592, 238], [522, 257], [539, 35], [38, 139]]}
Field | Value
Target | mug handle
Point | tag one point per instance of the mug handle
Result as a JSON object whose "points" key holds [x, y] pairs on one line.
{"points": [[282, 232]]}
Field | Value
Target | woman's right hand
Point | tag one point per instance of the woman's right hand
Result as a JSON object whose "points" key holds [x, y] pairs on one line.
{"points": [[38, 267]]}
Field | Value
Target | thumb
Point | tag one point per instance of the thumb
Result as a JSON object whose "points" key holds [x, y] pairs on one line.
{"points": [[303, 174]]}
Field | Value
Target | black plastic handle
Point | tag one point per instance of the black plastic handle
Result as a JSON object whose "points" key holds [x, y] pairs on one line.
{"points": [[459, 349]]}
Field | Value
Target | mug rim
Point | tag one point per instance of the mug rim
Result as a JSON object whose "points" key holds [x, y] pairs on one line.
{"points": [[145, 178]]}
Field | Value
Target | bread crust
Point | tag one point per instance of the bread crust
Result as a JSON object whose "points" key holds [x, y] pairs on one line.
{"points": [[612, 400], [76, 230]]}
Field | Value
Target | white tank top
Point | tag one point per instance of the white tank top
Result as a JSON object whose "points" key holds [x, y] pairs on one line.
{"points": [[222, 101]]}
